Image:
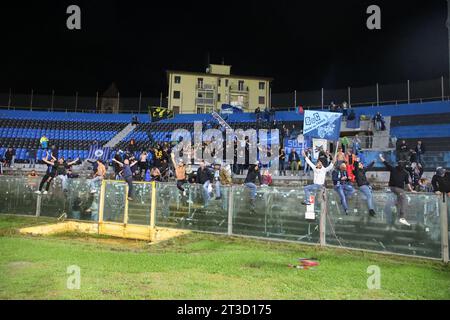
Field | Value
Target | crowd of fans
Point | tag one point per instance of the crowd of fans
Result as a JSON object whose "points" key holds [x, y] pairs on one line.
{"points": [[157, 163]]}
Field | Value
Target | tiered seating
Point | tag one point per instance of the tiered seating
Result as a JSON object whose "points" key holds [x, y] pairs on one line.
{"points": [[72, 138]]}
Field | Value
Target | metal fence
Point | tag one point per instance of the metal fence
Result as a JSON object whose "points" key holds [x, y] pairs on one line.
{"points": [[275, 215], [377, 94]]}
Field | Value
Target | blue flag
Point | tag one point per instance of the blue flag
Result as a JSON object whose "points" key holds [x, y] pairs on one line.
{"points": [[323, 125], [98, 152]]}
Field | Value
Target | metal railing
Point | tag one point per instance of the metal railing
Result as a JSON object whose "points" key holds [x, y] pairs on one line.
{"points": [[274, 215]]}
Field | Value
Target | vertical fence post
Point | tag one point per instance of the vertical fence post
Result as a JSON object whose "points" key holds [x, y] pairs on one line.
{"points": [[323, 217], [409, 93], [295, 99], [153, 206], [442, 88], [125, 214], [378, 95], [101, 206], [322, 98], [140, 100], [9, 98], [444, 227], [118, 101], [53, 99], [31, 100], [230, 210], [76, 101], [96, 101], [349, 97], [38, 206]]}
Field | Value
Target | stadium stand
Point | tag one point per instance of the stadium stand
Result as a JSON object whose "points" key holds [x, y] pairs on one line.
{"points": [[73, 133]]}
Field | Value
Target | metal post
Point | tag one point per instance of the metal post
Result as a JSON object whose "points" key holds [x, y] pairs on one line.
{"points": [[153, 206], [409, 93], [9, 98], [38, 206], [349, 97], [96, 101], [378, 95], [76, 101], [31, 102], [230, 211], [140, 100], [295, 99], [125, 213], [323, 217], [322, 98], [442, 87], [118, 101], [160, 100], [53, 98], [444, 228]]}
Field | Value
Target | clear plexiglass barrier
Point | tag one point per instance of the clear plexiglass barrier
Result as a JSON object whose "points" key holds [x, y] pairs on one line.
{"points": [[275, 213]]}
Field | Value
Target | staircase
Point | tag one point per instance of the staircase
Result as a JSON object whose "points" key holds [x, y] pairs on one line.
{"points": [[381, 139], [222, 122], [120, 136]]}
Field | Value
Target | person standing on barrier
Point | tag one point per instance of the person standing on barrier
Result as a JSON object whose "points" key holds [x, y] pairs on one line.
{"points": [[441, 181], [128, 176], [205, 178], [364, 185], [98, 176], [250, 182], [342, 185], [399, 177], [180, 174], [49, 175], [319, 177]]}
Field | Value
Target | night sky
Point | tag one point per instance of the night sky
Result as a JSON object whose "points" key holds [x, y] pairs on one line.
{"points": [[304, 45]]}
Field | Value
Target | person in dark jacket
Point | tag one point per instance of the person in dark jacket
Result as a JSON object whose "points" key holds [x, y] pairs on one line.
{"points": [[282, 162], [293, 158], [342, 185], [418, 152], [403, 153], [250, 181], [364, 185], [32, 153], [441, 181], [399, 178], [205, 178]]}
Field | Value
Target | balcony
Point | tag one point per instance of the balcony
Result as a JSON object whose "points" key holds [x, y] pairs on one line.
{"points": [[239, 89], [205, 101], [205, 87]]}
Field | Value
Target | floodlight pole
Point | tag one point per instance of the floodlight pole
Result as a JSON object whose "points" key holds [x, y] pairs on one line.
{"points": [[448, 27]]}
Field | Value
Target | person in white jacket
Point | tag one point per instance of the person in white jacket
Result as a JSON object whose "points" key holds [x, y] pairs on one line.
{"points": [[319, 177]]}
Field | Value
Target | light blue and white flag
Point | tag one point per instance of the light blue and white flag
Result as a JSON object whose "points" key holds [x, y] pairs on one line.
{"points": [[323, 125]]}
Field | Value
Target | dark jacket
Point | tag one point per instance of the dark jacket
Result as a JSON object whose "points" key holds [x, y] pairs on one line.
{"points": [[440, 183], [294, 156], [337, 175], [252, 174], [360, 174], [204, 175], [399, 176]]}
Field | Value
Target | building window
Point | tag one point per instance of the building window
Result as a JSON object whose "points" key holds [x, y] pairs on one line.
{"points": [[200, 82], [262, 100], [219, 83], [218, 97], [241, 85], [177, 79], [200, 110], [176, 94], [262, 86], [176, 110], [226, 82]]}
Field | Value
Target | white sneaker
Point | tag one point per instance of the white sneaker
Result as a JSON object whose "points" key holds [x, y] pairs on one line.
{"points": [[93, 191], [37, 192], [45, 192], [404, 222], [184, 193]]}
